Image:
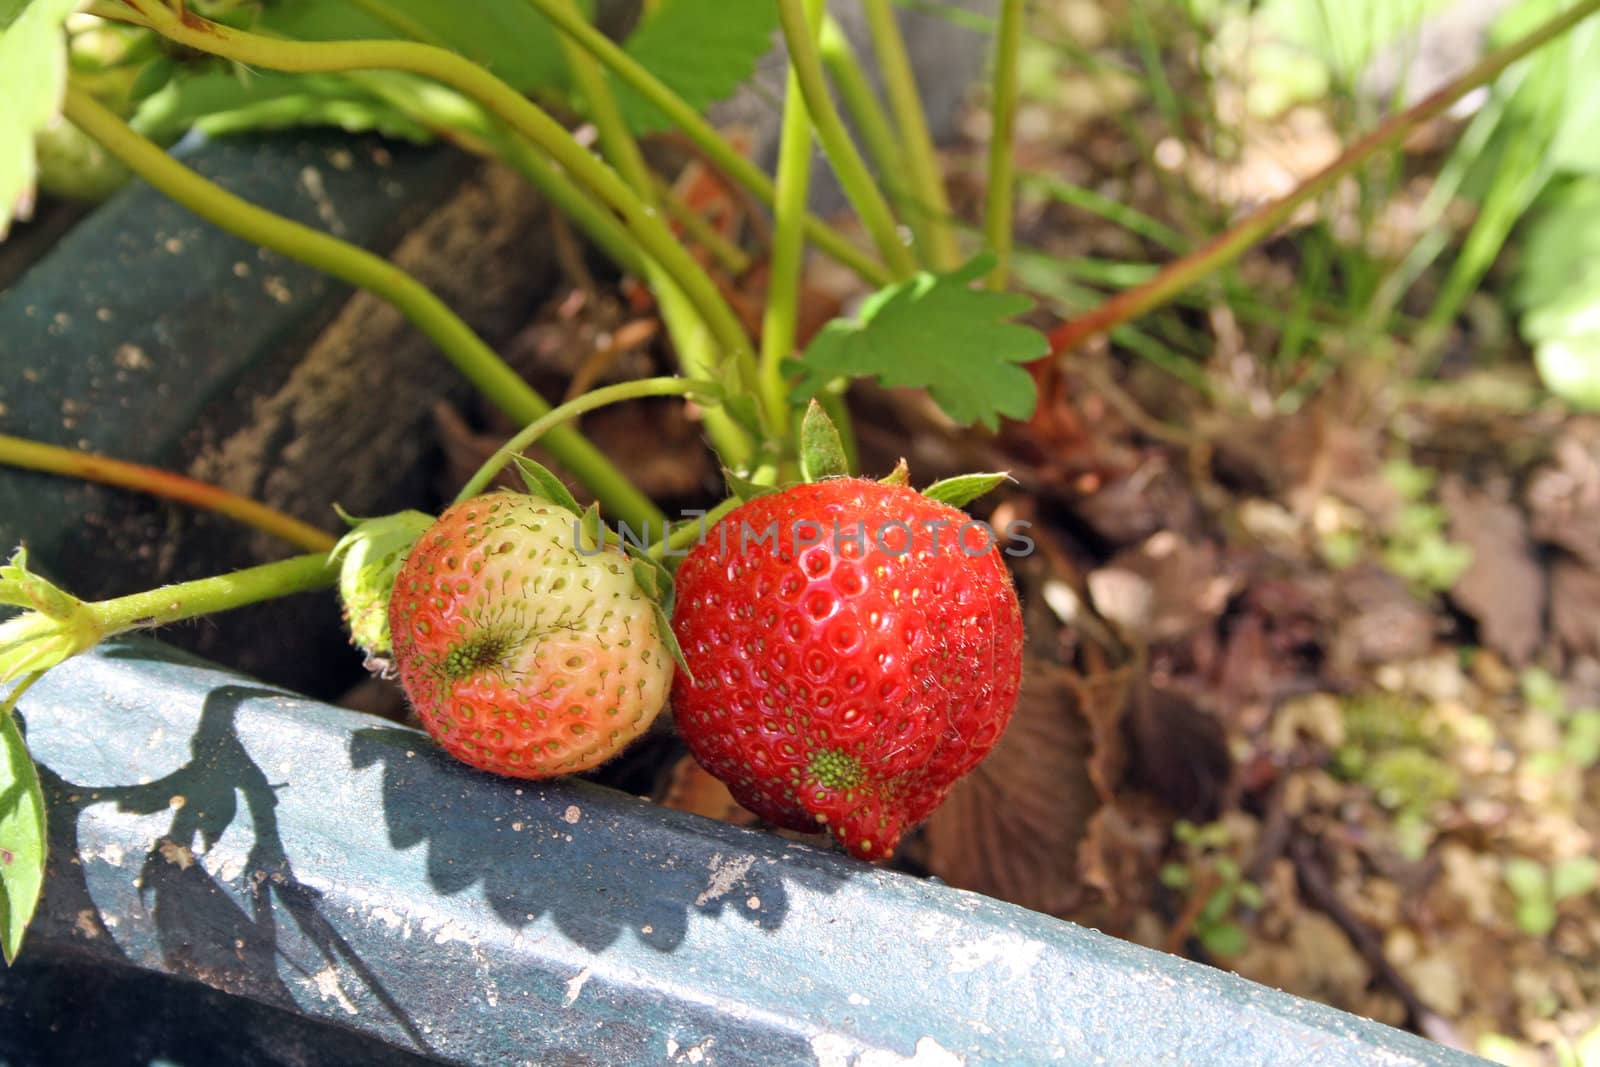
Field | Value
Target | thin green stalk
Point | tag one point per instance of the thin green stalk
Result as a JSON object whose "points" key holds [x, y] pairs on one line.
{"points": [[399, 21], [598, 398], [573, 201], [692, 335], [1229, 245], [920, 161], [998, 210], [72, 463], [689, 533], [703, 134], [465, 349], [207, 596], [854, 178], [782, 315], [729, 256], [877, 132], [495, 96]]}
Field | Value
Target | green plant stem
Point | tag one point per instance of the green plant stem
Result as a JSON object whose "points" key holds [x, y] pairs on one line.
{"points": [[476, 361], [207, 596], [998, 209], [703, 134], [1229, 245], [872, 123], [920, 161], [854, 178], [589, 401], [499, 99], [689, 533], [590, 216], [70, 462], [692, 335], [780, 320], [729, 256]]}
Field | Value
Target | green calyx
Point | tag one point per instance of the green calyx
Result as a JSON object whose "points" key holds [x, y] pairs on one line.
{"points": [[55, 626], [369, 558], [834, 769]]}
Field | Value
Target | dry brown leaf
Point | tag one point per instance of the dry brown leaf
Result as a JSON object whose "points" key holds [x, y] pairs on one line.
{"points": [[1575, 607], [1164, 589], [1564, 499], [1012, 827], [1504, 588], [1380, 621]]}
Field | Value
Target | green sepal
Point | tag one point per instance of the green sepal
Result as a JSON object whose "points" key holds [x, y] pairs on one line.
{"points": [[56, 626], [822, 452], [670, 639], [656, 582], [901, 475], [744, 488], [742, 409], [591, 532], [963, 489], [369, 558], [541, 482], [22, 831]]}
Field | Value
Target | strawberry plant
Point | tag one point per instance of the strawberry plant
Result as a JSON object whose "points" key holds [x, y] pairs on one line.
{"points": [[828, 685]]}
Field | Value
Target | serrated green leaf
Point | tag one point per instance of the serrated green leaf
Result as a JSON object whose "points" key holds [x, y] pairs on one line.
{"points": [[821, 448], [541, 482], [218, 101], [33, 73], [508, 37], [937, 332], [702, 50], [22, 832], [963, 489]]}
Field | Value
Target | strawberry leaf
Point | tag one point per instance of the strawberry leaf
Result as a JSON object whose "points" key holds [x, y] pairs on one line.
{"points": [[22, 832], [937, 332], [963, 489], [541, 482], [702, 49], [821, 449], [33, 73]]}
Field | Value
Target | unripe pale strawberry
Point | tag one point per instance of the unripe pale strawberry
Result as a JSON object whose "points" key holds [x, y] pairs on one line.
{"points": [[523, 651]]}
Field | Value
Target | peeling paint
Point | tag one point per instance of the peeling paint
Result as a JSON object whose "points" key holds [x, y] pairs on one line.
{"points": [[575, 986], [836, 1050], [327, 983], [724, 876], [1016, 954]]}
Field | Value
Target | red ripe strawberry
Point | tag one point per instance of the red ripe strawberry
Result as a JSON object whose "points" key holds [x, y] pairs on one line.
{"points": [[848, 670], [524, 653]]}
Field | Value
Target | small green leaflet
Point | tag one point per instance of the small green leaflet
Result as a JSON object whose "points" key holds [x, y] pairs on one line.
{"points": [[937, 332], [655, 581], [743, 488], [33, 73], [542, 482], [963, 489], [702, 50], [22, 831], [821, 449]]}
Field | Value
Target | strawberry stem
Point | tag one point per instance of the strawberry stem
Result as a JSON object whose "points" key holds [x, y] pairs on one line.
{"points": [[207, 596], [1233, 242], [848, 166], [781, 318], [705, 137], [521, 114], [998, 210], [475, 359], [72, 463], [598, 398]]}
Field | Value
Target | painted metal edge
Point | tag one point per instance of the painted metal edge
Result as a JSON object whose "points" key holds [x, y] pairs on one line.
{"points": [[299, 855]]}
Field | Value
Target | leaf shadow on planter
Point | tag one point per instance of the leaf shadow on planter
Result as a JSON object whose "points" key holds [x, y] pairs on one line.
{"points": [[568, 871], [205, 932]]}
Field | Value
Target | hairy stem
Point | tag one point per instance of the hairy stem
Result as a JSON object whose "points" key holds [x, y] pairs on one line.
{"points": [[598, 398], [692, 335], [495, 96], [207, 596], [854, 178], [476, 361], [998, 209], [932, 222], [703, 134], [1229, 245], [54, 459], [781, 318]]}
